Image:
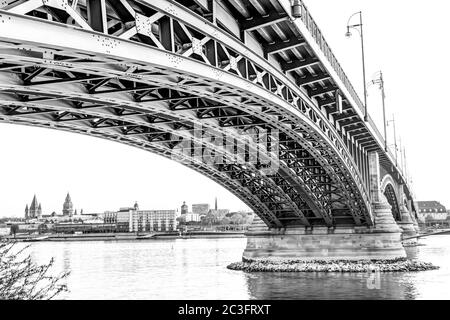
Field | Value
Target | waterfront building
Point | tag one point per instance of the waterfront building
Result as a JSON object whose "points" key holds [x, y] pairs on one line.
{"points": [[153, 220], [72, 228], [134, 220], [34, 211], [431, 210], [68, 206], [192, 217]]}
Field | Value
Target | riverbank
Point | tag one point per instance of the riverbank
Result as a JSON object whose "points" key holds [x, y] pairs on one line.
{"points": [[124, 236], [276, 265]]}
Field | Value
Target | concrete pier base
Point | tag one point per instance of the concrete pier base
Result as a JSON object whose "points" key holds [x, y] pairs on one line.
{"points": [[324, 244], [408, 229], [379, 242], [417, 228]]}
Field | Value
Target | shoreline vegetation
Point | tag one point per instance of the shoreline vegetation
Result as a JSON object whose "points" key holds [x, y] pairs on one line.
{"points": [[343, 266]]}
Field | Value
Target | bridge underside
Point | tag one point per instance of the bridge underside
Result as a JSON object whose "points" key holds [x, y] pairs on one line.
{"points": [[235, 90]]}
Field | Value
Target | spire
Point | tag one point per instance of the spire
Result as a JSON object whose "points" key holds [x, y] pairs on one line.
{"points": [[32, 212], [34, 204], [68, 206], [26, 211], [215, 206]]}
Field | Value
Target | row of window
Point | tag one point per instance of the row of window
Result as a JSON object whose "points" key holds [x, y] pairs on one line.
{"points": [[432, 210]]}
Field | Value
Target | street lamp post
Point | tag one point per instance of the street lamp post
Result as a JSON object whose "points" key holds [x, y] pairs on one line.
{"points": [[348, 35], [395, 137], [401, 154], [380, 82], [404, 163]]}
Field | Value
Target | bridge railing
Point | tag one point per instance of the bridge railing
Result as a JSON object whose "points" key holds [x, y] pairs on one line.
{"points": [[315, 32]]}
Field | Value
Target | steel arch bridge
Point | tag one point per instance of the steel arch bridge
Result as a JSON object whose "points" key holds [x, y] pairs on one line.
{"points": [[147, 73]]}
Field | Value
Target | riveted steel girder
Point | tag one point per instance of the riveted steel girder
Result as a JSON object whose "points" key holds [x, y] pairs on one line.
{"points": [[157, 62]]}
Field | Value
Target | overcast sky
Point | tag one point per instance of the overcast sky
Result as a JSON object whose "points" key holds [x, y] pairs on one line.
{"points": [[407, 40]]}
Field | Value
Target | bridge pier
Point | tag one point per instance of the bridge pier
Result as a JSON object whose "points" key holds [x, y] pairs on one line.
{"points": [[382, 242], [326, 244], [407, 226]]}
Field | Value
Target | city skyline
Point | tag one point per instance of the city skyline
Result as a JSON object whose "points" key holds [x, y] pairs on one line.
{"points": [[81, 210]]}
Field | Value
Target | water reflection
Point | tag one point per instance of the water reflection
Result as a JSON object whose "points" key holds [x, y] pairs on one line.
{"points": [[196, 269], [324, 286]]}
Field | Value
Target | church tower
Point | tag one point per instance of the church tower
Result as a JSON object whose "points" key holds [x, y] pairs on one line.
{"points": [[33, 211], [68, 206], [184, 208], [26, 212]]}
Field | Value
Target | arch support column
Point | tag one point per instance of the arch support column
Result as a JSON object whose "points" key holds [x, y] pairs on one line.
{"points": [[383, 219], [382, 241], [407, 224]]}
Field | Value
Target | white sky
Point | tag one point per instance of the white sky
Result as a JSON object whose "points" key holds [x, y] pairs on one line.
{"points": [[407, 40]]}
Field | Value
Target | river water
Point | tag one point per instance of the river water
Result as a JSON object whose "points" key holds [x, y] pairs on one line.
{"points": [[196, 269]]}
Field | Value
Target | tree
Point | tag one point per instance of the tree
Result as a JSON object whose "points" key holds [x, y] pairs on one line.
{"points": [[14, 229], [181, 220], [22, 279], [236, 218], [429, 219], [42, 228], [209, 219]]}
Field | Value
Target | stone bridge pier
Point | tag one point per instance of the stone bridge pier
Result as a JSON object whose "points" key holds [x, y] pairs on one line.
{"points": [[380, 241]]}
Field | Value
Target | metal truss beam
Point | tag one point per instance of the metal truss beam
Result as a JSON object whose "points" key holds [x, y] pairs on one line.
{"points": [[313, 125], [299, 64], [264, 21], [277, 47]]}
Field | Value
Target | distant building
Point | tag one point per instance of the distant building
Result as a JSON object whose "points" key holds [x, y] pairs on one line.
{"points": [[192, 217], [432, 210], [34, 211], [68, 206], [133, 220]]}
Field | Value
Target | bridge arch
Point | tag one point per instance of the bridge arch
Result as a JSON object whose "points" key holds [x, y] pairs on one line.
{"points": [[390, 191], [146, 73]]}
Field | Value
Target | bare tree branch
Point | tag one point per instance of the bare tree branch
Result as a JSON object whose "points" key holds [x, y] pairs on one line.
{"points": [[23, 279]]}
